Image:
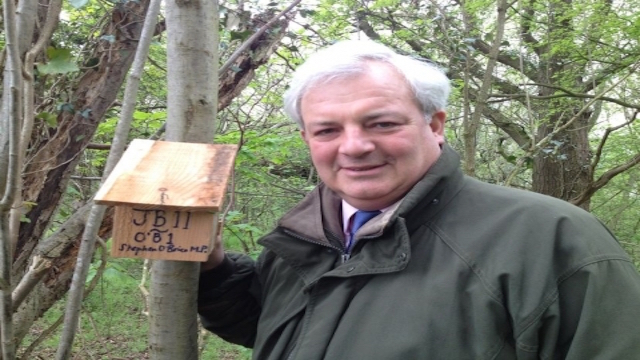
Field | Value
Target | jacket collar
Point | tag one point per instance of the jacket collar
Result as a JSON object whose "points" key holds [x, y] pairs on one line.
{"points": [[317, 220]]}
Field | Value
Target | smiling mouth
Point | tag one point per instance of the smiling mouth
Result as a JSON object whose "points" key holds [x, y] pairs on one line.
{"points": [[361, 168]]}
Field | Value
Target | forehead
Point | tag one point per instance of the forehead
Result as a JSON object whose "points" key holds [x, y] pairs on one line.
{"points": [[377, 85]]}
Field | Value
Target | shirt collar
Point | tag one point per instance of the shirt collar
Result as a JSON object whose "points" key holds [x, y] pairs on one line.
{"points": [[347, 212]]}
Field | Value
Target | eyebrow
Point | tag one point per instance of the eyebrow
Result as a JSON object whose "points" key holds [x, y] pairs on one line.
{"points": [[322, 123], [376, 114], [382, 113]]}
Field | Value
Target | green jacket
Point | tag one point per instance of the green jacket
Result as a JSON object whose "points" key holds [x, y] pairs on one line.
{"points": [[459, 270]]}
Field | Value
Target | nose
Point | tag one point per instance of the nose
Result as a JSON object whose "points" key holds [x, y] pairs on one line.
{"points": [[355, 143]]}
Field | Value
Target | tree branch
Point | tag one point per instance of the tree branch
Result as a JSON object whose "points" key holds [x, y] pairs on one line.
{"points": [[604, 180], [605, 137], [525, 26], [568, 93], [37, 271], [471, 126], [254, 37], [90, 234], [508, 60]]}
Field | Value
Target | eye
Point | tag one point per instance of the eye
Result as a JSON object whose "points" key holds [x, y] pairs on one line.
{"points": [[324, 132], [384, 125]]}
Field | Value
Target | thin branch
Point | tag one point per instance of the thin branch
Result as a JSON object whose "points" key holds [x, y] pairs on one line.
{"points": [[13, 121], [41, 337], [97, 211], [285, 60], [94, 146], [471, 126], [37, 271], [508, 60], [604, 180], [567, 93], [605, 137], [89, 178], [143, 289], [558, 129], [253, 38], [11, 108]]}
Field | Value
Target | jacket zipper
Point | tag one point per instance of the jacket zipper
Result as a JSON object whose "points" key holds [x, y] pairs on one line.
{"points": [[346, 254], [330, 246]]}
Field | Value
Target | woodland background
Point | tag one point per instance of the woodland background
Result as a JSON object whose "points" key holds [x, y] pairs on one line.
{"points": [[545, 98]]}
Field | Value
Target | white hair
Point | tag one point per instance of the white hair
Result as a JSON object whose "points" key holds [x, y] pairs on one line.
{"points": [[428, 83]]}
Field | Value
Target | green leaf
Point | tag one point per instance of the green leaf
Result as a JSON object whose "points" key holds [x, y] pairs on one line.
{"points": [[109, 38], [50, 119], [240, 35], [73, 191], [65, 107], [60, 62]]}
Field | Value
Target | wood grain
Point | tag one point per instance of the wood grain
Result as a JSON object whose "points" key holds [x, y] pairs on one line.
{"points": [[171, 175]]}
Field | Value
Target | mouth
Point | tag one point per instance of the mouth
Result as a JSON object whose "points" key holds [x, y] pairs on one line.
{"points": [[361, 168]]}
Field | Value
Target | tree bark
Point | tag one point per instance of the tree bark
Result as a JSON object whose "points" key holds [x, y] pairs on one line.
{"points": [[55, 159], [192, 67], [10, 165]]}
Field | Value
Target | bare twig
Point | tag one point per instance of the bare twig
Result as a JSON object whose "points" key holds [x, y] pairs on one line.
{"points": [[142, 287], [560, 128], [605, 137], [97, 211], [471, 126], [253, 38]]}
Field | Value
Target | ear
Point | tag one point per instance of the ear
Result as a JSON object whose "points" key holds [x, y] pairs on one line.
{"points": [[437, 125]]}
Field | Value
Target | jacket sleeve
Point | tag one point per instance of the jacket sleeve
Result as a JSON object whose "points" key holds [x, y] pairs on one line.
{"points": [[229, 300], [594, 315]]}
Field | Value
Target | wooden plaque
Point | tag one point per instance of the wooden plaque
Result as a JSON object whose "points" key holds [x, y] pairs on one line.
{"points": [[163, 234]]}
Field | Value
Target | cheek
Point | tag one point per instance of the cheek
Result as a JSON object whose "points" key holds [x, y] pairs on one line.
{"points": [[320, 153]]}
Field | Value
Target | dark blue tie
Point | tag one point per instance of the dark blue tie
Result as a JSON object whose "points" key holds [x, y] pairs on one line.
{"points": [[359, 219]]}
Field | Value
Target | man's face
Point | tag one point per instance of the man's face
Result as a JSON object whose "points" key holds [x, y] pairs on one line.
{"points": [[368, 138]]}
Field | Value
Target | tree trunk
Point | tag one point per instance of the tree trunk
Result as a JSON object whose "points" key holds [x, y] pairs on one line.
{"points": [[50, 167], [61, 247], [561, 166], [561, 169], [192, 66]]}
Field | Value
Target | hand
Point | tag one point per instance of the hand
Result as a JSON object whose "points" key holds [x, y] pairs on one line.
{"points": [[217, 254]]}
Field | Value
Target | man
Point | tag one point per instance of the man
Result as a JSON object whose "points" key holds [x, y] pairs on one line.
{"points": [[446, 267]]}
